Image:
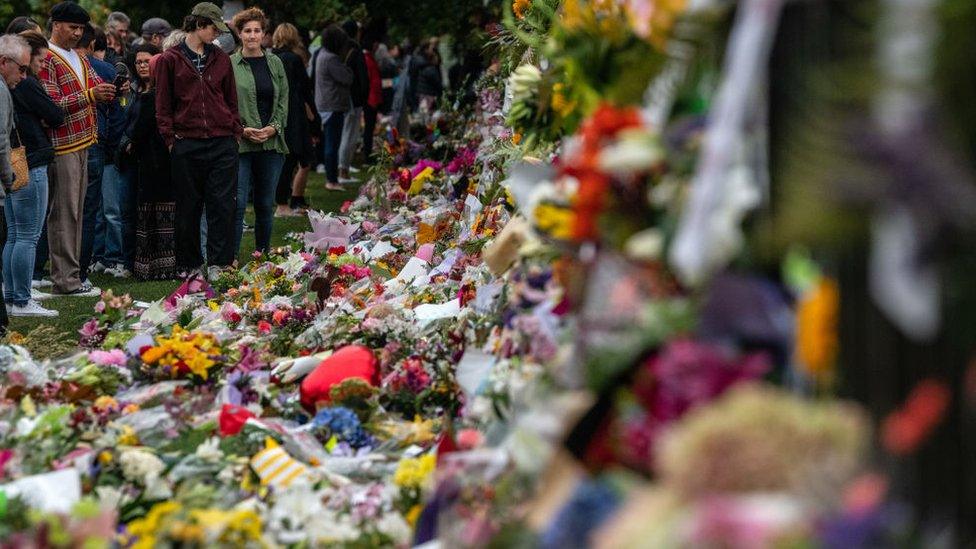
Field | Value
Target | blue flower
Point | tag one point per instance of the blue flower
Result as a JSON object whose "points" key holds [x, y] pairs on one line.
{"points": [[344, 424]]}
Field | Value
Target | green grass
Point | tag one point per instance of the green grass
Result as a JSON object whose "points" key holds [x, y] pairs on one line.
{"points": [[76, 310]]}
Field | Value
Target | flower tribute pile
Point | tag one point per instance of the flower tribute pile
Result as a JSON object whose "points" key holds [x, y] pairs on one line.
{"points": [[486, 346]]}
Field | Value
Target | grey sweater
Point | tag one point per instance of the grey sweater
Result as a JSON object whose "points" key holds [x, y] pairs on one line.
{"points": [[332, 82], [6, 127]]}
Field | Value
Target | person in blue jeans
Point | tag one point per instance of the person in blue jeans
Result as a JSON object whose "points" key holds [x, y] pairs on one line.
{"points": [[332, 80], [96, 228], [26, 208], [262, 92]]}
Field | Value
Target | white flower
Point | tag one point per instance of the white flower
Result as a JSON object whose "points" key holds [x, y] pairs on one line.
{"points": [[209, 451], [140, 465], [635, 151], [394, 526], [646, 245]]}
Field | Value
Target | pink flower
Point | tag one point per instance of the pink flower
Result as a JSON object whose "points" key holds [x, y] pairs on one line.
{"points": [[89, 329], [115, 357], [100, 307], [369, 226], [345, 206], [264, 327], [230, 313], [423, 165], [280, 317], [469, 439]]}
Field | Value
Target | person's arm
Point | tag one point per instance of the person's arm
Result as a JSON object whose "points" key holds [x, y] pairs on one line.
{"points": [[70, 103], [38, 102], [229, 86], [6, 124], [164, 100], [339, 71], [279, 114]]}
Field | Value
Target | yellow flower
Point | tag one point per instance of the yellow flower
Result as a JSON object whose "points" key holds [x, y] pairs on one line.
{"points": [[561, 104], [232, 527], [418, 182], [816, 327], [153, 354], [516, 138], [187, 533], [414, 472], [555, 221], [414, 514], [519, 7], [105, 457], [147, 528], [199, 363], [105, 402], [128, 437]]}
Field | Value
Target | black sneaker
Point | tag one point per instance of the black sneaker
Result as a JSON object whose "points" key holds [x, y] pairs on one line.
{"points": [[80, 292]]}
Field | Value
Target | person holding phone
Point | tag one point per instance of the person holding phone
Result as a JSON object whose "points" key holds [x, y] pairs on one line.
{"points": [[72, 83]]}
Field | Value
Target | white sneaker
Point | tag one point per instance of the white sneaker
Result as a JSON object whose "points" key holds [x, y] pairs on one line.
{"points": [[118, 271], [98, 267], [43, 283], [353, 169], [320, 168], [87, 285], [32, 308], [38, 295]]}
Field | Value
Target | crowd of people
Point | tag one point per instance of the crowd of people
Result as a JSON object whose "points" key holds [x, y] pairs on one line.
{"points": [[138, 154]]}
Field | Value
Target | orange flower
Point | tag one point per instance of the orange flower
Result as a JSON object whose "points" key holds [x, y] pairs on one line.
{"points": [[816, 327], [520, 7], [603, 124]]}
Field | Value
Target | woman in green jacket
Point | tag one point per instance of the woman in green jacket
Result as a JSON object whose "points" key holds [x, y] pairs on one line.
{"points": [[262, 92]]}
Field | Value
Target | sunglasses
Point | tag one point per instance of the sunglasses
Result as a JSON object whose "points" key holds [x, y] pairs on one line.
{"points": [[23, 68]]}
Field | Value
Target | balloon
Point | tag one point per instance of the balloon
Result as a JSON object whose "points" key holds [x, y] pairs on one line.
{"points": [[353, 361]]}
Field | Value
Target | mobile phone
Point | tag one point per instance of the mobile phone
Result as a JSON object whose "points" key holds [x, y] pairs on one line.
{"points": [[119, 82]]}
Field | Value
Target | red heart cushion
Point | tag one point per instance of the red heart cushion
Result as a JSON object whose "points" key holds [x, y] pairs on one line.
{"points": [[348, 362]]}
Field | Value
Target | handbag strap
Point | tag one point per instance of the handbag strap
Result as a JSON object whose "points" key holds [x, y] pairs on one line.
{"points": [[20, 143]]}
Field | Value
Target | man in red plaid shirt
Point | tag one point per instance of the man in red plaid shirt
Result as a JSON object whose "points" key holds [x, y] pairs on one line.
{"points": [[73, 85]]}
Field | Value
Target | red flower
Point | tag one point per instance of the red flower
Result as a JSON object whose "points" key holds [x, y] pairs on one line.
{"points": [[904, 430], [264, 327], [604, 123], [232, 419], [337, 250]]}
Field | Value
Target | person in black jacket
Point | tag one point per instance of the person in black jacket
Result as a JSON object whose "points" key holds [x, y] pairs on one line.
{"points": [[430, 84], [26, 207], [288, 46], [352, 128], [155, 242]]}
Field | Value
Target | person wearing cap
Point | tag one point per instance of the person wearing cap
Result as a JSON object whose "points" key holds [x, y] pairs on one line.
{"points": [[73, 85], [198, 119], [155, 30]]}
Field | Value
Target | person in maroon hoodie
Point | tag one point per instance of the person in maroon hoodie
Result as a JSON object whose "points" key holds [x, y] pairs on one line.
{"points": [[196, 111]]}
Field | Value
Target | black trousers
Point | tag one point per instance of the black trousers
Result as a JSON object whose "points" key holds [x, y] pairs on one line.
{"points": [[205, 179], [283, 191], [369, 128]]}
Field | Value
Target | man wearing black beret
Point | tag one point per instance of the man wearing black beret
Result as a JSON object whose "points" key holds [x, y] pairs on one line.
{"points": [[75, 87]]}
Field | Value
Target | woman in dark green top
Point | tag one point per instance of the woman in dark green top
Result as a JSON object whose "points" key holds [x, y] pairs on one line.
{"points": [[262, 98]]}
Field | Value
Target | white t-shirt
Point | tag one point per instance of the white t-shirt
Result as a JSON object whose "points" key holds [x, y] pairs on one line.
{"points": [[73, 59]]}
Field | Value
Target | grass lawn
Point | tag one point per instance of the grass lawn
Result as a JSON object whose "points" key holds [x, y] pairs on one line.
{"points": [[76, 310]]}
